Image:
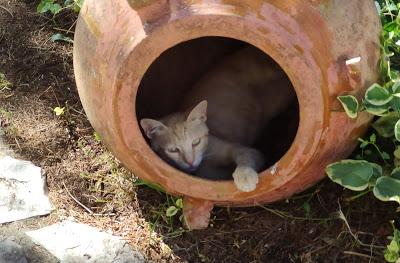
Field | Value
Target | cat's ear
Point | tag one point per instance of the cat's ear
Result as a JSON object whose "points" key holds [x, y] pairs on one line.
{"points": [[152, 127], [199, 113]]}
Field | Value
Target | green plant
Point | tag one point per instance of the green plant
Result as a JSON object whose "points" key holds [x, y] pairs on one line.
{"points": [[392, 251], [4, 83], [377, 165], [172, 210], [55, 7], [168, 210]]}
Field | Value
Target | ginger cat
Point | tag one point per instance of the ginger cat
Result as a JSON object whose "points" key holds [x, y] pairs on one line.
{"points": [[230, 106]]}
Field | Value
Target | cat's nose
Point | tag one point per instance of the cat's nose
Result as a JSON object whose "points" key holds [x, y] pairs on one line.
{"points": [[189, 160]]}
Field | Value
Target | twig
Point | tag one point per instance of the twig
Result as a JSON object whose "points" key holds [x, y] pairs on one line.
{"points": [[109, 214], [8, 11], [76, 200], [73, 24], [282, 214], [63, 30], [359, 254], [346, 223], [19, 147]]}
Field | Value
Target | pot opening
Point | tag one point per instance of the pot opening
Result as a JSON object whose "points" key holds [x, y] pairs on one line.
{"points": [[179, 68]]}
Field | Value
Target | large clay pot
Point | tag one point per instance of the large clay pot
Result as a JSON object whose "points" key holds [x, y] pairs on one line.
{"points": [[313, 41]]}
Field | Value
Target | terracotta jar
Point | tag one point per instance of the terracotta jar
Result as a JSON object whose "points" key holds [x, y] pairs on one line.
{"points": [[326, 47]]}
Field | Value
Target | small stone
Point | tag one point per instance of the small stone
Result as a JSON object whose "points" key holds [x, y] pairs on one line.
{"points": [[11, 252], [72, 242], [23, 192]]}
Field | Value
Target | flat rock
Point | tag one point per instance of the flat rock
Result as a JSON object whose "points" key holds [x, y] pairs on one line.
{"points": [[23, 191], [4, 149], [15, 231], [72, 242], [11, 252]]}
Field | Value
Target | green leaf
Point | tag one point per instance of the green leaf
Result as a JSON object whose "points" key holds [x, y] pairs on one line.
{"points": [[396, 235], [372, 138], [396, 153], [390, 26], [364, 144], [394, 75], [387, 189], [385, 155], [385, 125], [157, 187], [396, 88], [97, 136], [60, 37], [377, 95], [48, 5], [78, 5], [395, 103], [395, 173], [376, 173], [350, 105], [59, 111], [55, 9], [390, 256], [392, 250], [307, 208], [397, 130], [376, 110], [394, 246], [352, 174], [179, 203], [44, 6], [171, 211]]}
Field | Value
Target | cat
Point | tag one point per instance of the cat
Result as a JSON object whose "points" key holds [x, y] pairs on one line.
{"points": [[228, 109]]}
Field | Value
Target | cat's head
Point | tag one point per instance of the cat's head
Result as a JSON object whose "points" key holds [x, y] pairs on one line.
{"points": [[180, 138]]}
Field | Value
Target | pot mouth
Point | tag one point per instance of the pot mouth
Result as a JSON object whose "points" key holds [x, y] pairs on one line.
{"points": [[176, 71], [299, 64]]}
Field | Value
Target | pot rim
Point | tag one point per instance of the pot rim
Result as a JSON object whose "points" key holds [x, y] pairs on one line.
{"points": [[297, 61]]}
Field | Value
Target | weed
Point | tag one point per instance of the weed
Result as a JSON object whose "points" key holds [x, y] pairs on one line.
{"points": [[4, 83], [166, 211], [392, 251], [55, 7]]}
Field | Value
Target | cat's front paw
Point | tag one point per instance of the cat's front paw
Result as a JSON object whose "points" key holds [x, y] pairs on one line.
{"points": [[245, 179]]}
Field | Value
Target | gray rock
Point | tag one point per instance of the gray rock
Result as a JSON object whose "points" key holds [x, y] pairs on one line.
{"points": [[72, 242], [23, 192], [11, 252], [15, 232]]}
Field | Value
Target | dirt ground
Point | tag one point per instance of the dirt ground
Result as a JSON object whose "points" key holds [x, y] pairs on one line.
{"points": [[305, 228]]}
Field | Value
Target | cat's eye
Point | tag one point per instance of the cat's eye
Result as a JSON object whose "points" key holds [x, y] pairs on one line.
{"points": [[196, 142], [173, 150]]}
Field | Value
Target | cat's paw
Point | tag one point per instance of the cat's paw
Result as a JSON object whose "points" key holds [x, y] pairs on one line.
{"points": [[245, 179]]}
